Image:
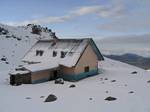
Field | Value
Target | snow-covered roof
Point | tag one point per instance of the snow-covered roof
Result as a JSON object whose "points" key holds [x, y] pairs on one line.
{"points": [[72, 49], [52, 51], [19, 72], [41, 66]]}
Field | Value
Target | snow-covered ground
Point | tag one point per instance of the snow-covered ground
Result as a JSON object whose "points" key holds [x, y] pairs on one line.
{"points": [[87, 96]]}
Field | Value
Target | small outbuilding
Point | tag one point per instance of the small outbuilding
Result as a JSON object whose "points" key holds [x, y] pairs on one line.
{"points": [[70, 59]]}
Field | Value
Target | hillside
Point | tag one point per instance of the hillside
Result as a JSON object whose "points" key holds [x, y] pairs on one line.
{"points": [[131, 91], [16, 41], [128, 85]]}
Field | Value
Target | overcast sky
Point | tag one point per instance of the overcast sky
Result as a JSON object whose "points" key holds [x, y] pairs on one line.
{"points": [[95, 18]]}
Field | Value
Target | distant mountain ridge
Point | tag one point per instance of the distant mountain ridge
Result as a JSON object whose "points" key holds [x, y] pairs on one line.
{"points": [[134, 44], [132, 59]]}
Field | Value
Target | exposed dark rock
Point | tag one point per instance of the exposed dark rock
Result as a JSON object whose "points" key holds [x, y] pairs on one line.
{"points": [[36, 29], [106, 79], [59, 81], [14, 36], [148, 81], [131, 92], [42, 96], [106, 91], [28, 97], [29, 24], [135, 72], [18, 38], [7, 36], [7, 62], [113, 80], [90, 98], [110, 98], [51, 98], [3, 59], [72, 86], [3, 31]]}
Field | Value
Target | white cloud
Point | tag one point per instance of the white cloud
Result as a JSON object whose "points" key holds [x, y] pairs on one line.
{"points": [[121, 18], [87, 10], [136, 19], [99, 10], [42, 21]]}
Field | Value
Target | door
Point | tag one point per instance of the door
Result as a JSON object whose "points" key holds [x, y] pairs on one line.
{"points": [[12, 79], [55, 73]]}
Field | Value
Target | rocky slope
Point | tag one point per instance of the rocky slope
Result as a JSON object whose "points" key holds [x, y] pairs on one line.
{"points": [[16, 41]]}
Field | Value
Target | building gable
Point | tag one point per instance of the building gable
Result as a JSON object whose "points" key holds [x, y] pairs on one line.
{"points": [[87, 59], [96, 50]]}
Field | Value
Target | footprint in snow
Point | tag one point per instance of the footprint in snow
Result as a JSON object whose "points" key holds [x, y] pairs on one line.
{"points": [[131, 92], [113, 80], [42, 96], [28, 97]]}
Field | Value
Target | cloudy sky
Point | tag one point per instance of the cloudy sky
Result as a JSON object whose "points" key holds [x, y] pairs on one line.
{"points": [[92, 18]]}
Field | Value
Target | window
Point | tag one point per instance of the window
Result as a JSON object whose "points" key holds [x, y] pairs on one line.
{"points": [[54, 53], [63, 54], [39, 52], [86, 69]]}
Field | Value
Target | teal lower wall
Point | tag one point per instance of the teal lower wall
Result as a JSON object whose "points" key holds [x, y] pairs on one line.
{"points": [[40, 80], [70, 77], [76, 77]]}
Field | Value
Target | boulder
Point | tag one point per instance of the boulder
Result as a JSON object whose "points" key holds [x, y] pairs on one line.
{"points": [[110, 98], [113, 80], [135, 72], [131, 92], [72, 86], [59, 81], [51, 98]]}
